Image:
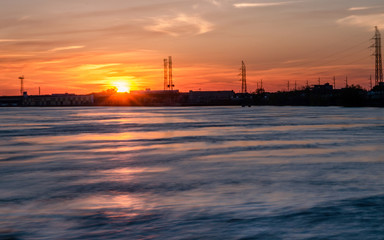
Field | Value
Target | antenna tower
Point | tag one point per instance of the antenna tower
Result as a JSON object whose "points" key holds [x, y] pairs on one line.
{"points": [[170, 80], [346, 81], [21, 84], [165, 74], [243, 78], [370, 81], [378, 59]]}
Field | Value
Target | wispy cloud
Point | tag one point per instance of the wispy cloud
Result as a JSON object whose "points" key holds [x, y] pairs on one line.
{"points": [[359, 8], [180, 25], [265, 4], [215, 2], [23, 18], [51, 62], [97, 66], [19, 40], [294, 61], [15, 55], [363, 20], [65, 48]]}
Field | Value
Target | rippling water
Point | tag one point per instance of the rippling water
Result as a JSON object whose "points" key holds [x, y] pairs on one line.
{"points": [[192, 173]]}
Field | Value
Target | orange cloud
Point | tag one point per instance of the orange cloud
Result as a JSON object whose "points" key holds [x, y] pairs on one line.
{"points": [[65, 48], [265, 4], [180, 25], [367, 21]]}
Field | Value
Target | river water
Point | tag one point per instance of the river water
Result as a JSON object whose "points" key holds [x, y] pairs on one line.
{"points": [[192, 173]]}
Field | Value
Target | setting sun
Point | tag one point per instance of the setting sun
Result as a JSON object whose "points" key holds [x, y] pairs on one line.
{"points": [[122, 86]]}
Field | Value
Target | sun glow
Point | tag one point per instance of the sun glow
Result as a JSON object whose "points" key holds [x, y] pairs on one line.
{"points": [[122, 86]]}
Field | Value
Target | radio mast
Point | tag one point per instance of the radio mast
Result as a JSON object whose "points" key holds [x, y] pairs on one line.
{"points": [[21, 84], [243, 78], [165, 74], [378, 59]]}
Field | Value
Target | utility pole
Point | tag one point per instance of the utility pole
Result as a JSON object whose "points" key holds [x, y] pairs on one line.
{"points": [[243, 78], [21, 84], [165, 74], [170, 85], [39, 91], [319, 81], [346, 81], [295, 85], [370, 81], [288, 86], [334, 82], [378, 59]]}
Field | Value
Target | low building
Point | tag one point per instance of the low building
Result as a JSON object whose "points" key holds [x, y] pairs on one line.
{"points": [[322, 89], [156, 97], [58, 100], [11, 101], [210, 97]]}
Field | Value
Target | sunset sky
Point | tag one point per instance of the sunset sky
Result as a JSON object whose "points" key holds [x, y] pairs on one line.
{"points": [[84, 46]]}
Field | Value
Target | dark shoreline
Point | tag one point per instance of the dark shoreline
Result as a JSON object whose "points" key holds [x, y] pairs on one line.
{"points": [[318, 95]]}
